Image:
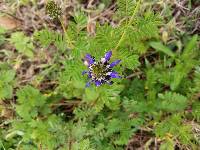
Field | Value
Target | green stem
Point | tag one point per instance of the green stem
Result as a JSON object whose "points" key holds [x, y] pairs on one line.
{"points": [[65, 33], [3, 146], [129, 23], [62, 24]]}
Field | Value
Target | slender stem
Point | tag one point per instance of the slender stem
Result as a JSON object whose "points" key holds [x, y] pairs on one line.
{"points": [[66, 103], [3, 146], [62, 24], [65, 33], [129, 23], [133, 75]]}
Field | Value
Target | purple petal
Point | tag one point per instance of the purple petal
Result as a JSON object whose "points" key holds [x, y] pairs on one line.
{"points": [[84, 72], [114, 63], [87, 84], [89, 59], [114, 75], [108, 55], [89, 75], [97, 83]]}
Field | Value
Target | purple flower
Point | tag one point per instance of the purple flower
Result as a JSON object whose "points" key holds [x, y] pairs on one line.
{"points": [[100, 72]]}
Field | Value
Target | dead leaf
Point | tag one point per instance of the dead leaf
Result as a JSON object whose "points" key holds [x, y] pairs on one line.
{"points": [[91, 27], [9, 23]]}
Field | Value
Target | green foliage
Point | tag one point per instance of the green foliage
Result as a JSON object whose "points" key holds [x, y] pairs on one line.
{"points": [[81, 21], [196, 79], [195, 89], [124, 129], [125, 7], [29, 102], [2, 37], [185, 64], [129, 61], [171, 102], [47, 37], [22, 43], [104, 96], [167, 145], [173, 126], [162, 48], [6, 83], [83, 145], [144, 28], [36, 124], [107, 35]]}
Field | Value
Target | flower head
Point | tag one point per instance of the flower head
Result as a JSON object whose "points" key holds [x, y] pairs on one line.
{"points": [[100, 72], [53, 10]]}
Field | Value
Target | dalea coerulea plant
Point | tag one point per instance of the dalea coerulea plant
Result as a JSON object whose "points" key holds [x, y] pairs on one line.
{"points": [[100, 72]]}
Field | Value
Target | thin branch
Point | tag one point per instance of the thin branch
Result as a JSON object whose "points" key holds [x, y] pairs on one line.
{"points": [[65, 33], [134, 75], [129, 23], [66, 103]]}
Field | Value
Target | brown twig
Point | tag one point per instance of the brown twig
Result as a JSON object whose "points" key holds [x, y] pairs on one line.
{"points": [[133, 75]]}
